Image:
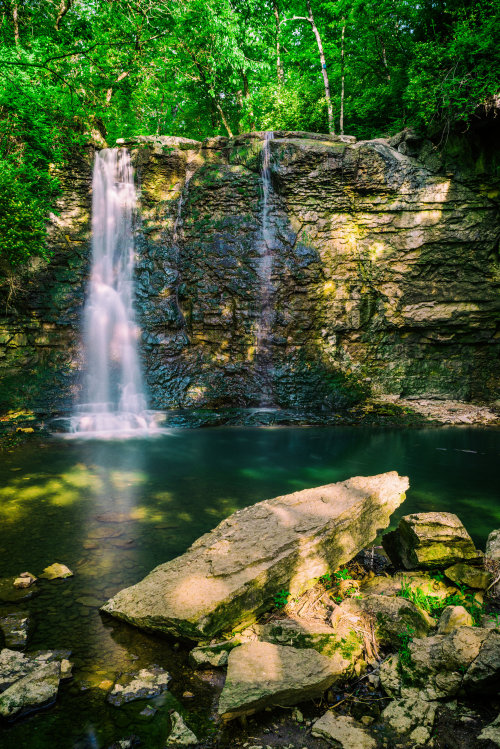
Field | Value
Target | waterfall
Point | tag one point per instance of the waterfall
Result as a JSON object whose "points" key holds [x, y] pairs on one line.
{"points": [[263, 355], [115, 403]]}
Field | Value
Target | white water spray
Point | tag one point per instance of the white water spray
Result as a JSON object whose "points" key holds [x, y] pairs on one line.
{"points": [[115, 401], [264, 325]]}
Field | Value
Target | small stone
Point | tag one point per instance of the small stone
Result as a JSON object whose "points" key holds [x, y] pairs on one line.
{"points": [[56, 571], [367, 720], [473, 577], [105, 685], [148, 711], [187, 695], [143, 685], [493, 546], [297, 715], [90, 601], [453, 617], [24, 580], [212, 655], [127, 743], [180, 735], [342, 731]]}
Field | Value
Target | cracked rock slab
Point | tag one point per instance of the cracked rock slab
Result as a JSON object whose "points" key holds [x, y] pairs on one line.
{"points": [[33, 691], [226, 578]]}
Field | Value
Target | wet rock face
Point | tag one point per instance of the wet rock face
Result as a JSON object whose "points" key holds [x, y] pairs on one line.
{"points": [[381, 270]]}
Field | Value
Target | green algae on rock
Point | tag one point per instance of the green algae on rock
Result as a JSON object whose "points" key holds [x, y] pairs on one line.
{"points": [[230, 575], [429, 540]]}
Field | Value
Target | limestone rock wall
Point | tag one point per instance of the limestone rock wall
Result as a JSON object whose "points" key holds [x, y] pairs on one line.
{"points": [[383, 271]]}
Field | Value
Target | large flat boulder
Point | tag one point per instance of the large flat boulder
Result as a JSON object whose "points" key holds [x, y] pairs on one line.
{"points": [[261, 675], [231, 575]]}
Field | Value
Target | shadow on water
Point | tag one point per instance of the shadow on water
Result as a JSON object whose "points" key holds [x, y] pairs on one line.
{"points": [[112, 511]]}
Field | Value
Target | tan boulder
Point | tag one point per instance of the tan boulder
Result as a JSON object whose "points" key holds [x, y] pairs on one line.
{"points": [[232, 574], [261, 675]]}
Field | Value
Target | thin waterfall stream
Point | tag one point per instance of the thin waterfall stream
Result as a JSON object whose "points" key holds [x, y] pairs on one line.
{"points": [[114, 395], [263, 355]]}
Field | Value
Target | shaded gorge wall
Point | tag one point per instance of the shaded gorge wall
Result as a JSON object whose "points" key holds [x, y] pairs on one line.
{"points": [[384, 274]]}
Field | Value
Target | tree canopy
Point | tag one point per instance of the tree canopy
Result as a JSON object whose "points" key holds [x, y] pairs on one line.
{"points": [[196, 68]]}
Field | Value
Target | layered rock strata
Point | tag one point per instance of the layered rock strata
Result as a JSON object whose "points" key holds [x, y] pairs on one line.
{"points": [[383, 270]]}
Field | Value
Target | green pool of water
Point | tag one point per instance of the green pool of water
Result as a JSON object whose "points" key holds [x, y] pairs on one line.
{"points": [[112, 511]]}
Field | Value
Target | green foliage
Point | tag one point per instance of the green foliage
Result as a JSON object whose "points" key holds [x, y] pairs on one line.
{"points": [[343, 574], [405, 638], [280, 600], [434, 606], [71, 71]]}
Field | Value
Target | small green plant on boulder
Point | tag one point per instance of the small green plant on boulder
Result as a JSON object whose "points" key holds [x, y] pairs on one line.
{"points": [[280, 600]]}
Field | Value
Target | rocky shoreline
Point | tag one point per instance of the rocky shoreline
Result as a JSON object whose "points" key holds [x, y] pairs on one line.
{"points": [[311, 633]]}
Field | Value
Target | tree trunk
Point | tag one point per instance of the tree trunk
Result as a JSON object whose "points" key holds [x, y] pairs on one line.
{"points": [[63, 9], [109, 92], [279, 66], [331, 128], [15, 21], [342, 72], [223, 118]]}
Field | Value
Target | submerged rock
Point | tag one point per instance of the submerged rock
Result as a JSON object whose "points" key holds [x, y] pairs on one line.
{"points": [[143, 685], [261, 674], [55, 571], [342, 731], [10, 593], [230, 575], [180, 735], [15, 629], [15, 665], [429, 540], [33, 691]]}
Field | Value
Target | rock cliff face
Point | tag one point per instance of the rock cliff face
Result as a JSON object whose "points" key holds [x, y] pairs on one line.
{"points": [[383, 271]]}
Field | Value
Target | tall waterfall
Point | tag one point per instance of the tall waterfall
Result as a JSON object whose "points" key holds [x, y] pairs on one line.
{"points": [[263, 335], [115, 403]]}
